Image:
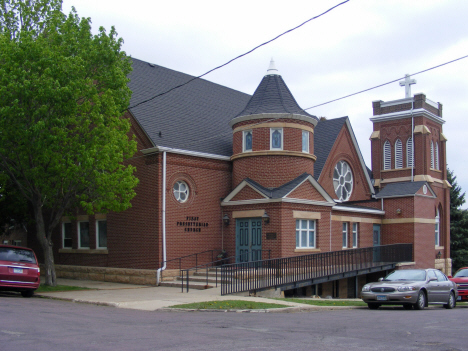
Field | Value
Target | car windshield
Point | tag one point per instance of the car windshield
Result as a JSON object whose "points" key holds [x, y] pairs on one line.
{"points": [[461, 273], [407, 275], [16, 255]]}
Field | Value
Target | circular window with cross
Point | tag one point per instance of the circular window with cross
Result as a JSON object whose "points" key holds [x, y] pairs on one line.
{"points": [[181, 191], [343, 181]]}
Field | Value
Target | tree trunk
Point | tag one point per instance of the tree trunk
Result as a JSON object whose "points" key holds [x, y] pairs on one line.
{"points": [[46, 245]]}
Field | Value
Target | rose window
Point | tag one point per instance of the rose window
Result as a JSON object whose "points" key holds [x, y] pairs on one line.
{"points": [[343, 181]]}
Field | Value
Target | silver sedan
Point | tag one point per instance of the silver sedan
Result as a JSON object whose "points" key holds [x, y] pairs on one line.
{"points": [[411, 288]]}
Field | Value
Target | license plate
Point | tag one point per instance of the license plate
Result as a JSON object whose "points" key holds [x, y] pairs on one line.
{"points": [[381, 298], [459, 298], [18, 270]]}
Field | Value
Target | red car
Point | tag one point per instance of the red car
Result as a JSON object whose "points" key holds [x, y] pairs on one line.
{"points": [[461, 279], [19, 270]]}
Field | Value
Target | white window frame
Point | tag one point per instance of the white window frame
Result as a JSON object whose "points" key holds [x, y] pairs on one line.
{"points": [[272, 130], [409, 153], [398, 154], [178, 192], [79, 234], [344, 238], [305, 138], [244, 144], [355, 235], [436, 155], [98, 234], [437, 229], [63, 235], [307, 227], [387, 155]]}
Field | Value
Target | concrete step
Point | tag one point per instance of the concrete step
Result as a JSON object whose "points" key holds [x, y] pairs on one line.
{"points": [[201, 279], [192, 285]]}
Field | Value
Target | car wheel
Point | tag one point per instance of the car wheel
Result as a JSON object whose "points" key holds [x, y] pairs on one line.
{"points": [[373, 306], [421, 301], [27, 293], [408, 306], [451, 302]]}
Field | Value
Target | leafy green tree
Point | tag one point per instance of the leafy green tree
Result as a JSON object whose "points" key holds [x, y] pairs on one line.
{"points": [[63, 137], [458, 225], [14, 212]]}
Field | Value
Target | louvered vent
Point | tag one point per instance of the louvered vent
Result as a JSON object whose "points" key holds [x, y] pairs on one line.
{"points": [[387, 155], [409, 153], [398, 154], [432, 154], [436, 156]]}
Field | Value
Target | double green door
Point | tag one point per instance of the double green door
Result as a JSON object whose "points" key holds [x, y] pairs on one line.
{"points": [[248, 239]]}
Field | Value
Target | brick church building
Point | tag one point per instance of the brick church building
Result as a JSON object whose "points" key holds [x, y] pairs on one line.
{"points": [[223, 170]]}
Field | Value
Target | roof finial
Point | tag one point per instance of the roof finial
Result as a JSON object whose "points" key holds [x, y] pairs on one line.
{"points": [[272, 69]]}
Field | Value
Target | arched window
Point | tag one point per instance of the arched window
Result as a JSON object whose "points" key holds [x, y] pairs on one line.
{"points": [[437, 229], [387, 155], [276, 139], [436, 155], [398, 154], [432, 154], [409, 153], [247, 142]]}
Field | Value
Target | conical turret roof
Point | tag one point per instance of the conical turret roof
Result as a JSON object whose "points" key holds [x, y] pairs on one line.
{"points": [[273, 96]]}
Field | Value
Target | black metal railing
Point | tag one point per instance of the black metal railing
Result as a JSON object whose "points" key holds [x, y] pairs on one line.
{"points": [[257, 275], [185, 273], [195, 259]]}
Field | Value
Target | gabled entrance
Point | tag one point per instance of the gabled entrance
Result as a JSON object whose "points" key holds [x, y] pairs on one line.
{"points": [[248, 239]]}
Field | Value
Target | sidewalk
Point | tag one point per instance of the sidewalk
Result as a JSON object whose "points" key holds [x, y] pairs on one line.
{"points": [[149, 298]]}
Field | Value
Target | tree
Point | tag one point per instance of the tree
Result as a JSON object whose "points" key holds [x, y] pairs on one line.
{"points": [[14, 211], [458, 224], [63, 137]]}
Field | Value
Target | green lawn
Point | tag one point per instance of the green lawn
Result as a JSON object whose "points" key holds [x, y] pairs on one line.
{"points": [[229, 305], [47, 288], [324, 302]]}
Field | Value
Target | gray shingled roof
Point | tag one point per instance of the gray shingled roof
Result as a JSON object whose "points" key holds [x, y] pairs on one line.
{"points": [[195, 117], [281, 191], [325, 134], [272, 96], [400, 189]]}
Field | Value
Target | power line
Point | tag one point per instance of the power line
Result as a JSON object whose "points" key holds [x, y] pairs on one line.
{"points": [[341, 98], [381, 85], [238, 57]]}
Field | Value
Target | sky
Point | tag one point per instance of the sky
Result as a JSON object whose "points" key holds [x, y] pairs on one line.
{"points": [[358, 45]]}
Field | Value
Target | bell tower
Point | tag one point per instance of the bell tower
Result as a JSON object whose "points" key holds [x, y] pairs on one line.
{"points": [[407, 142]]}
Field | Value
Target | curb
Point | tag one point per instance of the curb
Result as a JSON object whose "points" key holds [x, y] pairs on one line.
{"points": [[293, 309]]}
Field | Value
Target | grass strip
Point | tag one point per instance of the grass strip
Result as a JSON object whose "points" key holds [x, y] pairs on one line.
{"points": [[47, 288], [324, 302], [229, 305]]}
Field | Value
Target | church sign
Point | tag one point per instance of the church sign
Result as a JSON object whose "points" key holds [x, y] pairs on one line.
{"points": [[192, 224]]}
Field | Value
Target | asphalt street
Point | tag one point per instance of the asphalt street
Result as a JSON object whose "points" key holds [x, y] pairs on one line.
{"points": [[45, 324]]}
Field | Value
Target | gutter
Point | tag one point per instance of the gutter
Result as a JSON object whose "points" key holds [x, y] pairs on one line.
{"points": [[158, 272]]}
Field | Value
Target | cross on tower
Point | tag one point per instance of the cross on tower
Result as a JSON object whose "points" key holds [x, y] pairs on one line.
{"points": [[407, 84]]}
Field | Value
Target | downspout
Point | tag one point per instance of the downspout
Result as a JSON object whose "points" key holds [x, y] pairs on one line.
{"points": [[158, 273], [330, 230], [412, 141]]}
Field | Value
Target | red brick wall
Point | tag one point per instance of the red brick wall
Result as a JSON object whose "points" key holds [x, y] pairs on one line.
{"points": [[271, 170], [247, 193], [208, 181], [132, 235], [344, 150], [306, 191]]}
